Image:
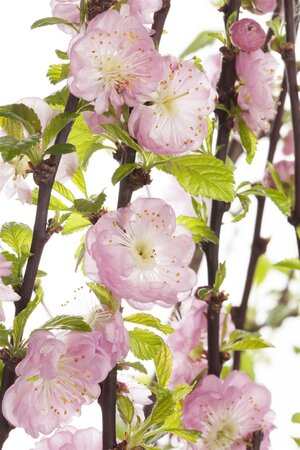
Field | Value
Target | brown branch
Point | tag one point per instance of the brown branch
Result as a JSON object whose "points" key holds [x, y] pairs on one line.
{"points": [[159, 21], [226, 95]]}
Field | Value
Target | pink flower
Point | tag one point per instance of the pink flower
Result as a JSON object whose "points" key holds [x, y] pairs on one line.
{"points": [[94, 120], [114, 61], [173, 120], [137, 255], [67, 167], [71, 439], [213, 66], [55, 379], [6, 292], [288, 148], [247, 35], [136, 392], [228, 411], [261, 6], [142, 9], [68, 10], [256, 71], [285, 170]]}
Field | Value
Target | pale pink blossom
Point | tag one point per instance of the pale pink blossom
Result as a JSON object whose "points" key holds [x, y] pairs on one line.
{"points": [[285, 170], [68, 10], [115, 62], [256, 71], [173, 120], [136, 253], [6, 292], [142, 9], [261, 6], [69, 438], [55, 379], [247, 35], [228, 411], [67, 167], [136, 392], [213, 66], [94, 121], [289, 147]]}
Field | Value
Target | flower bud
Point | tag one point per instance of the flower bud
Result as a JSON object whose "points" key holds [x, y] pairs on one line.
{"points": [[247, 35]]}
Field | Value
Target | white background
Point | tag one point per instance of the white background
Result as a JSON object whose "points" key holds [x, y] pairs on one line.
{"points": [[25, 57]]}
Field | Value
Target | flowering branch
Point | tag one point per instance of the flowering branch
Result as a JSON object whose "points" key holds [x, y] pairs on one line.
{"points": [[289, 57], [226, 93], [259, 244]]}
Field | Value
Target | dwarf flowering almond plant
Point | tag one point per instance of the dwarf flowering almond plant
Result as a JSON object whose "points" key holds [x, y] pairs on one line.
{"points": [[139, 166]]}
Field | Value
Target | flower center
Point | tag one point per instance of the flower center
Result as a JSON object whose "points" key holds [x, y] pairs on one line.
{"points": [[144, 253], [222, 435]]}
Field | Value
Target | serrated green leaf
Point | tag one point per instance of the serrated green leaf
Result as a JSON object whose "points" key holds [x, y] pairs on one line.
{"points": [[52, 21], [163, 364], [220, 277], [144, 344], [21, 319], [82, 137], [22, 114], [122, 172], [55, 126], [60, 149], [245, 203], [202, 40], [116, 133], [149, 321], [91, 206], [163, 408], [79, 181], [63, 190], [137, 365], [79, 254], [281, 200], [12, 127], [62, 55], [125, 408], [4, 336], [17, 236], [10, 148], [65, 322], [248, 139], [188, 435], [200, 231], [242, 340], [104, 296], [58, 99], [202, 175], [54, 205], [91, 150], [290, 263], [75, 222], [180, 391], [58, 72]]}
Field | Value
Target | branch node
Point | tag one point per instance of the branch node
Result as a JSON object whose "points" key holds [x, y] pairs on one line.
{"points": [[43, 172]]}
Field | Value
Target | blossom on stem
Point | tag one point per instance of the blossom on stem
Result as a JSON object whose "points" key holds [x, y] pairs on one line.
{"points": [[173, 119], [115, 62], [136, 253], [55, 379], [6, 292], [260, 6], [69, 438], [247, 35], [256, 71], [68, 10], [285, 170], [142, 9], [289, 146], [228, 411], [136, 392]]}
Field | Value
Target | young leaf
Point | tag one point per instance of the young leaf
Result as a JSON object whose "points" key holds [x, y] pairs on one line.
{"points": [[17, 236], [291, 263], [58, 72], [60, 149], [75, 222], [164, 407], [188, 435], [21, 319], [62, 55], [104, 296], [122, 172], [144, 344], [63, 190], [117, 133], [137, 365], [65, 322], [93, 205], [4, 336], [248, 139], [79, 181], [200, 231], [202, 175], [23, 114], [163, 364], [125, 408], [181, 390], [58, 99], [52, 21], [296, 418], [82, 137], [243, 340], [55, 126], [12, 128], [149, 321], [220, 277], [202, 40]]}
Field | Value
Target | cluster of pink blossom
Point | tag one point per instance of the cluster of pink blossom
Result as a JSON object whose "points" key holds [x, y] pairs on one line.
{"points": [[13, 173], [68, 10], [228, 411], [6, 292], [69, 438], [137, 255]]}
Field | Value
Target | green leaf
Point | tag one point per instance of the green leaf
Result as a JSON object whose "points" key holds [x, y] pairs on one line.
{"points": [[220, 277], [248, 139], [125, 408], [82, 137], [21, 319], [116, 133], [12, 127], [262, 268], [79, 253], [94, 147], [163, 364], [104, 296], [65, 322], [58, 99], [245, 203], [90, 206], [22, 114], [297, 440], [164, 407], [137, 365], [75, 222], [202, 40], [4, 336], [54, 205], [243, 340], [62, 190], [62, 55], [10, 147], [144, 344], [79, 181], [188, 435], [60, 149], [52, 21], [149, 321], [17, 236], [200, 231], [296, 418], [58, 72], [55, 126], [202, 175], [181, 390], [281, 201], [291, 263], [122, 172]]}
